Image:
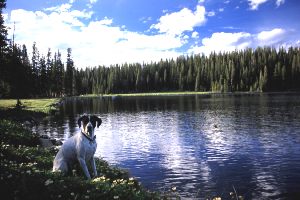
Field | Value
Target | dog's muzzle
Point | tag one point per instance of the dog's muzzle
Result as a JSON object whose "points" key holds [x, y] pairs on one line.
{"points": [[89, 129]]}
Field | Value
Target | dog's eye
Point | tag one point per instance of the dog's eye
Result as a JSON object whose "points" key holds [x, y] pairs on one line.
{"points": [[85, 120]]}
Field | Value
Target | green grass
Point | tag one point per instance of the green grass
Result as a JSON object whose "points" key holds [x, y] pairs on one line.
{"points": [[150, 94], [37, 105]]}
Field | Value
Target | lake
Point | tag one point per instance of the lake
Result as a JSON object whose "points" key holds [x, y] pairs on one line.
{"points": [[204, 145]]}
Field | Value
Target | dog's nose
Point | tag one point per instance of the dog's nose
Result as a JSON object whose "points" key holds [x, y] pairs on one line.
{"points": [[90, 128]]}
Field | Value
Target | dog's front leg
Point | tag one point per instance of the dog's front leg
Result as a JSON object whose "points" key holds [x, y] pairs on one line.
{"points": [[93, 164], [84, 168]]}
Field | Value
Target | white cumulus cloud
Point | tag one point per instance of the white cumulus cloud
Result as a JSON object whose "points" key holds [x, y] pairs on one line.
{"points": [[271, 37], [254, 4], [61, 8], [224, 42], [195, 35], [93, 1], [211, 13], [98, 42], [184, 20], [279, 2]]}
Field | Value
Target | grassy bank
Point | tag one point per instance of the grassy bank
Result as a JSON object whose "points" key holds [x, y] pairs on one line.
{"points": [[159, 94], [181, 94], [36, 105], [25, 173], [149, 94], [31, 110]]}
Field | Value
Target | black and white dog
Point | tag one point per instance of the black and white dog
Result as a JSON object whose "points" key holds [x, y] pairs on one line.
{"points": [[79, 148]]}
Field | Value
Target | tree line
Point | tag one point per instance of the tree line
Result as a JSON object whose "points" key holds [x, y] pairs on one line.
{"points": [[261, 69]]}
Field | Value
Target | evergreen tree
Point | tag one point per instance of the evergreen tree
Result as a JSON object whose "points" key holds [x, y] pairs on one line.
{"points": [[57, 75], [49, 68], [69, 83], [35, 69], [3, 31], [197, 82], [4, 85], [43, 76], [263, 78]]}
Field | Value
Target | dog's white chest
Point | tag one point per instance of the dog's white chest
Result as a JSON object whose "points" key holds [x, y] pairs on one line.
{"points": [[90, 149]]}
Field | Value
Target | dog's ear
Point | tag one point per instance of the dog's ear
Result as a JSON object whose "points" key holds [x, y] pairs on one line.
{"points": [[79, 121], [98, 120]]}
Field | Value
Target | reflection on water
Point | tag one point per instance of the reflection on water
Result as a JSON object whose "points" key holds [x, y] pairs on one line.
{"points": [[203, 145]]}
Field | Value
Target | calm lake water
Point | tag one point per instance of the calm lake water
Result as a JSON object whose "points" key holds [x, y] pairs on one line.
{"points": [[204, 145]]}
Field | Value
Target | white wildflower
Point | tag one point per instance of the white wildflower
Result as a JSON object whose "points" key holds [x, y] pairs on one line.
{"points": [[48, 182]]}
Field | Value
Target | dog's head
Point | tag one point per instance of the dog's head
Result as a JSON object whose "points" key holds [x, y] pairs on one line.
{"points": [[88, 123]]}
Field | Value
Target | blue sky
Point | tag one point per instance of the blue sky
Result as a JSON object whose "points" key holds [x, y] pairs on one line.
{"points": [[104, 32]]}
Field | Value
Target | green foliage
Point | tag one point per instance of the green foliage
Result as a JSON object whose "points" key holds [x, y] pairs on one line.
{"points": [[14, 134]]}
